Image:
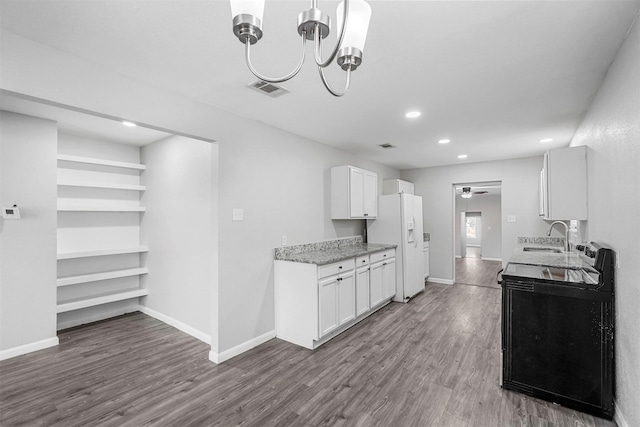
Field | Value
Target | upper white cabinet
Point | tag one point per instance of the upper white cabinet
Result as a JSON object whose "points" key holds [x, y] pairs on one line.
{"points": [[354, 193], [563, 184], [395, 186]]}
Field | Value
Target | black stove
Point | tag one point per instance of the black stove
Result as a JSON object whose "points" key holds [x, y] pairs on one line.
{"points": [[558, 331], [594, 272]]}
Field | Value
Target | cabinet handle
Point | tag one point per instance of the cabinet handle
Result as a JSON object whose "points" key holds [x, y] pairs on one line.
{"points": [[364, 260], [340, 267], [366, 214], [339, 279], [383, 264]]}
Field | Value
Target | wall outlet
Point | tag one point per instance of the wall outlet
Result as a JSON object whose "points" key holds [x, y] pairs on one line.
{"points": [[238, 214], [284, 240], [511, 218]]}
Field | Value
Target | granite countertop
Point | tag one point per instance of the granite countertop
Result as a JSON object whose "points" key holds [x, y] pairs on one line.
{"points": [[549, 259], [329, 251], [328, 256]]}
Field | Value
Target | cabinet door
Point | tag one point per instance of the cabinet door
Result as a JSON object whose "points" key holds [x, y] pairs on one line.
{"points": [[389, 278], [370, 195], [376, 281], [362, 291], [327, 305], [346, 298], [426, 262], [356, 195]]}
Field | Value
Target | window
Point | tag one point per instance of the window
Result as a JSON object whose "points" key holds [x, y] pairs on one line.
{"points": [[471, 227]]}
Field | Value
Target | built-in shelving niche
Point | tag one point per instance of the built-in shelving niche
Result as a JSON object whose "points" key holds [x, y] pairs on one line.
{"points": [[100, 258]]}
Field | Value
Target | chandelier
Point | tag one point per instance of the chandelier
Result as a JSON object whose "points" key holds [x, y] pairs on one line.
{"points": [[466, 192], [353, 20]]}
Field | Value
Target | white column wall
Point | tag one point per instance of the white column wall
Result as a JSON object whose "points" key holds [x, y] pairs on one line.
{"points": [[28, 245], [611, 131], [178, 229]]}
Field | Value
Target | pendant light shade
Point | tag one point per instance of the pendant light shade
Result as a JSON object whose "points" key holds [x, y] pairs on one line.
{"points": [[313, 25], [247, 7], [357, 24]]}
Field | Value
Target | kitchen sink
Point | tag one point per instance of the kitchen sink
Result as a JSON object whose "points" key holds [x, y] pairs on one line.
{"points": [[546, 250]]}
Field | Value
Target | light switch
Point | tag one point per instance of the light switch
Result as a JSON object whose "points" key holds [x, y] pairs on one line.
{"points": [[11, 213], [511, 218], [238, 214]]}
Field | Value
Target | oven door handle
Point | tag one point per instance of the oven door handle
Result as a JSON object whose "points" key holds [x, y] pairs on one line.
{"points": [[499, 276]]}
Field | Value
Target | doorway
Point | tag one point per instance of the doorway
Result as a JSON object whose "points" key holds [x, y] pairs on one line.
{"points": [[478, 233], [470, 234]]}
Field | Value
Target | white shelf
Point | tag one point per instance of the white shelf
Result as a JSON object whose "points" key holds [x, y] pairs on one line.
{"points": [[102, 185], [99, 300], [102, 252], [94, 277], [92, 161], [101, 209]]}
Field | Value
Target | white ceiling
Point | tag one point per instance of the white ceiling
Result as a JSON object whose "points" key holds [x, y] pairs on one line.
{"points": [[83, 124], [494, 77]]}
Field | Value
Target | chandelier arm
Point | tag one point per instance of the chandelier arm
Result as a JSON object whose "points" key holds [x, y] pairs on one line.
{"points": [[318, 51], [247, 52], [326, 83]]}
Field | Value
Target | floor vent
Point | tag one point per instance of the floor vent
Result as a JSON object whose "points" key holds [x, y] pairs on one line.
{"points": [[386, 146], [268, 89]]}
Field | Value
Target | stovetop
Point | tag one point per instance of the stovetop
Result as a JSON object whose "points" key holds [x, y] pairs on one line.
{"points": [[597, 270]]}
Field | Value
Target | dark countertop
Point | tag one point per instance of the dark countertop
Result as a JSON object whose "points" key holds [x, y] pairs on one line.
{"points": [[330, 255]]}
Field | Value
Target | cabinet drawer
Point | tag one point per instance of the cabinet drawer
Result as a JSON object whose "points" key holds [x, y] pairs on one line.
{"points": [[379, 256], [335, 268], [362, 261]]}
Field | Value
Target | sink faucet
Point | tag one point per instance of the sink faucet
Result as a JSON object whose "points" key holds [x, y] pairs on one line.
{"points": [[566, 233]]}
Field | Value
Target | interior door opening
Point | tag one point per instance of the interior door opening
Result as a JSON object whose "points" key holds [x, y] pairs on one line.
{"points": [[477, 248]]}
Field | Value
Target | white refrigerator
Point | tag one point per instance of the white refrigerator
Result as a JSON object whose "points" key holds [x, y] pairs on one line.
{"points": [[399, 221]]}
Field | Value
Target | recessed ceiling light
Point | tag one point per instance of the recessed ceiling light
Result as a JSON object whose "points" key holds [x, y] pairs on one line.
{"points": [[129, 124], [547, 140], [462, 156], [412, 114], [444, 141]]}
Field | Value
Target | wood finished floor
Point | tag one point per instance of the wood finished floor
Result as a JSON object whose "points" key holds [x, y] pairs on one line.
{"points": [[431, 362], [476, 271]]}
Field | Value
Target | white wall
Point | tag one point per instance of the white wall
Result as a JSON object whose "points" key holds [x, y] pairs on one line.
{"points": [[282, 182], [519, 179], [611, 131], [27, 245], [179, 229], [489, 205]]}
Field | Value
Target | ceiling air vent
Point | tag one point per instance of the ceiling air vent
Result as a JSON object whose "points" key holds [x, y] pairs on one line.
{"points": [[386, 146], [269, 89]]}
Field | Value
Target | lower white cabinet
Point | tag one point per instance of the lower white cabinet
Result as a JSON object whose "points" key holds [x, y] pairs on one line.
{"points": [[346, 298], [336, 302], [375, 284], [315, 303], [327, 308], [363, 303], [389, 278], [382, 279]]}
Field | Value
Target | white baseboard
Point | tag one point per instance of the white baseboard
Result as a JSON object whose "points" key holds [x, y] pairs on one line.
{"points": [[619, 418], [458, 256], [441, 281], [97, 317], [491, 259], [28, 348], [218, 358], [176, 324]]}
